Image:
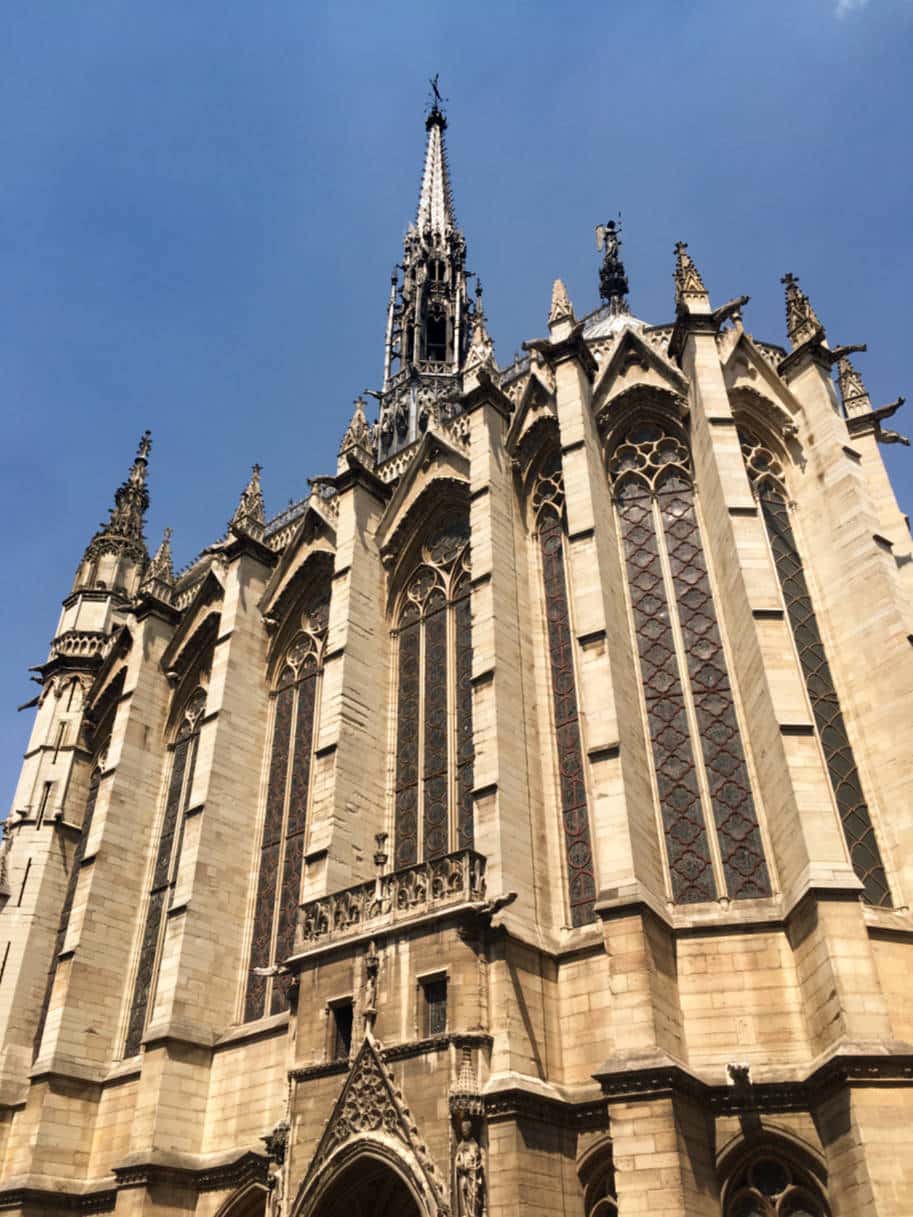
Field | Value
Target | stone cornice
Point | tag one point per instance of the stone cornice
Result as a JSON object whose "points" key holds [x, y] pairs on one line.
{"points": [[358, 474]]}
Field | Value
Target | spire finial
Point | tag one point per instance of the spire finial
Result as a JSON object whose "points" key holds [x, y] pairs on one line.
{"points": [[613, 282], [802, 322], [688, 281], [249, 515], [131, 499]]}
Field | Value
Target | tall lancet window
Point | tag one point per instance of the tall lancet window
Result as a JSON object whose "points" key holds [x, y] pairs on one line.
{"points": [[548, 507], [434, 754], [713, 842], [167, 858], [295, 701], [768, 483]]}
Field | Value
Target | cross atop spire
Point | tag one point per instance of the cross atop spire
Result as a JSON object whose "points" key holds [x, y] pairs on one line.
{"points": [[435, 200]]}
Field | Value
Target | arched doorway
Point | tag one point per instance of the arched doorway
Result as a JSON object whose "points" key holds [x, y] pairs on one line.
{"points": [[366, 1187]]}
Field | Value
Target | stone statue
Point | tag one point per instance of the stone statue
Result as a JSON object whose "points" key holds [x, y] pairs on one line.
{"points": [[469, 1172]]}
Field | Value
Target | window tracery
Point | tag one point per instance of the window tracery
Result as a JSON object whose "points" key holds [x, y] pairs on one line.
{"points": [[767, 477], [548, 510], [669, 585], [167, 859], [770, 1185], [434, 749], [295, 698]]}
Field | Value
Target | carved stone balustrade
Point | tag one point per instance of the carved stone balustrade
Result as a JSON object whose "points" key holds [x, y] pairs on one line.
{"points": [[403, 895], [81, 644]]}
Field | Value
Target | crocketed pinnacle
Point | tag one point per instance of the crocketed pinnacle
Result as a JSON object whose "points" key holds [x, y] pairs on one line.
{"points": [[801, 319], [435, 200], [160, 570], [562, 309], [249, 515], [481, 352], [358, 433], [856, 400], [688, 281]]}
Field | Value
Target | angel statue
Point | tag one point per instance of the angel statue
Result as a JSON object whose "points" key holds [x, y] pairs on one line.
{"points": [[607, 239]]}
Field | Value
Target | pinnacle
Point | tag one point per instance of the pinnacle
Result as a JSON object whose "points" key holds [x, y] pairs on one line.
{"points": [[562, 309], [159, 577], [852, 390], [249, 515], [688, 281], [802, 322]]}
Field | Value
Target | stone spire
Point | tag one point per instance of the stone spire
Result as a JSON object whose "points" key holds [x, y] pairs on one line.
{"points": [[688, 282], [430, 313], [158, 581], [435, 200], [122, 535], [801, 319], [613, 282], [249, 517]]}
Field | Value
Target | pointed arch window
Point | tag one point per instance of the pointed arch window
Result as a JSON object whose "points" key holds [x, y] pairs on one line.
{"points": [[167, 859], [69, 896], [702, 779], [295, 701], [434, 751], [548, 508], [767, 478], [771, 1184]]}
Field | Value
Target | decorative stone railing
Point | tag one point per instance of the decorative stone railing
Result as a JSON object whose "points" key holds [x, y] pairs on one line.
{"points": [[81, 644], [404, 894]]}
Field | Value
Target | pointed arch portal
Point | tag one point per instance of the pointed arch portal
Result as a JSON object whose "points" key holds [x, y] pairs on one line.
{"points": [[366, 1187]]}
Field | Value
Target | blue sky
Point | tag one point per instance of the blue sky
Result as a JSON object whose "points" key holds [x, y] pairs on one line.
{"points": [[200, 206]]}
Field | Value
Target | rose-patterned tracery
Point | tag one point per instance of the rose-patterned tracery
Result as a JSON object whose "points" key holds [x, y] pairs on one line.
{"points": [[548, 507], [770, 1185], [767, 478], [434, 752], [167, 860], [667, 579], [295, 698]]}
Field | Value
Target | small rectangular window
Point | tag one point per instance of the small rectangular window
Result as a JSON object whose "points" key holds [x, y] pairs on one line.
{"points": [[434, 994], [342, 1030]]}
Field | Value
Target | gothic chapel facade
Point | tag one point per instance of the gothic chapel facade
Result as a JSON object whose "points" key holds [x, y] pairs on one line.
{"points": [[519, 824]]}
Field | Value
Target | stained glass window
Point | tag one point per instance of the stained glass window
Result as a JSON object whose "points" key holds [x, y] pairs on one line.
{"points": [[770, 1185], [767, 478], [548, 505], [167, 858], [288, 787], [434, 752], [684, 681]]}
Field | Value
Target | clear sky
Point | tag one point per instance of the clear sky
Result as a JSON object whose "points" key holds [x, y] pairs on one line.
{"points": [[201, 203]]}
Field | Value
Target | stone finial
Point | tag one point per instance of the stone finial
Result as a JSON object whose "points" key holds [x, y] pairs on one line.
{"points": [[357, 440], [158, 581], [688, 282], [250, 517], [562, 309], [801, 319], [853, 393]]}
